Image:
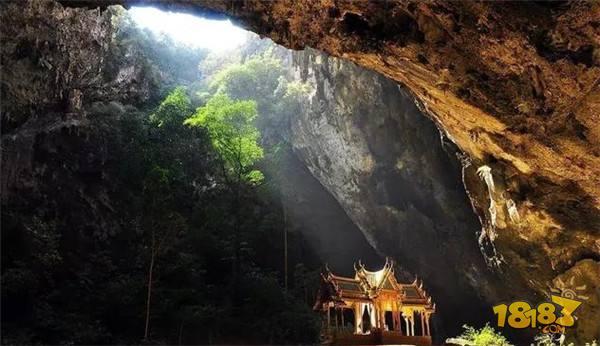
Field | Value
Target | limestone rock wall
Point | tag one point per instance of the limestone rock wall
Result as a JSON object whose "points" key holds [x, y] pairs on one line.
{"points": [[399, 180]]}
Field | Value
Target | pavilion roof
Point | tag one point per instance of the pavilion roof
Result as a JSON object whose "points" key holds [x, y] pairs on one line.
{"points": [[367, 285]]}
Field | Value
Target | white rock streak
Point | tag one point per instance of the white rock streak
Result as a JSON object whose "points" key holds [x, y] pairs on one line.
{"points": [[485, 173], [513, 213]]}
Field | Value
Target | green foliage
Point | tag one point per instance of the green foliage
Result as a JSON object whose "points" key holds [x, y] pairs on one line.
{"points": [[264, 79], [75, 251], [296, 90], [173, 110], [279, 98], [485, 336], [270, 306], [291, 100], [255, 79], [544, 339], [548, 339], [230, 126]]}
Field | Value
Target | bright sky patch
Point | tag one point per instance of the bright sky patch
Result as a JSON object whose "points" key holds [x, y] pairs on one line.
{"points": [[216, 35]]}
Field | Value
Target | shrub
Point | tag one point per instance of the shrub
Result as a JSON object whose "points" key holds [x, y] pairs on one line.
{"points": [[485, 336]]}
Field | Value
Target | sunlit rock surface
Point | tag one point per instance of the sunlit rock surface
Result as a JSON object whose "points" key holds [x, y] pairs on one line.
{"points": [[399, 180], [313, 211]]}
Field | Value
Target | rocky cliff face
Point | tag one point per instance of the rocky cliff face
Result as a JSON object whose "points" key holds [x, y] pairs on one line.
{"points": [[43, 83], [62, 67], [399, 180], [312, 210], [56, 64]]}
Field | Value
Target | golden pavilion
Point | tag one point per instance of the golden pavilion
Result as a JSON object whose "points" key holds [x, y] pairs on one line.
{"points": [[374, 308]]}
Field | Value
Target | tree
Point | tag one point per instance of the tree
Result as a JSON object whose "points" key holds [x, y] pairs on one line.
{"points": [[255, 79], [160, 224], [230, 127], [173, 110], [279, 97], [263, 78]]}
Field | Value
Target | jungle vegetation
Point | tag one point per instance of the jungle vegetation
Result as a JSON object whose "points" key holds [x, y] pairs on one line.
{"points": [[187, 244]]}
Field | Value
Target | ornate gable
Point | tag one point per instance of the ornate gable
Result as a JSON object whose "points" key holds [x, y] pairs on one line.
{"points": [[374, 282]]}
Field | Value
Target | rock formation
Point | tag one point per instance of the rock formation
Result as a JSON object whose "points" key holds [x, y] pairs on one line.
{"points": [[398, 179]]}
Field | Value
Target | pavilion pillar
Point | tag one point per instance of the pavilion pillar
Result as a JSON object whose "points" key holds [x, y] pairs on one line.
{"points": [[372, 315], [343, 325], [428, 316], [337, 312], [358, 318], [422, 314], [394, 308], [407, 325], [399, 321]]}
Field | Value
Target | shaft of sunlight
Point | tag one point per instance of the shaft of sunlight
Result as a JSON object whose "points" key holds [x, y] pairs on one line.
{"points": [[216, 35]]}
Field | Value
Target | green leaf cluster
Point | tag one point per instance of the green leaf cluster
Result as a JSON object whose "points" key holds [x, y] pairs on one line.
{"points": [[173, 110], [485, 336], [230, 126], [255, 79]]}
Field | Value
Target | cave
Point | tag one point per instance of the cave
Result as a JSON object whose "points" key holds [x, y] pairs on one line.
{"points": [[460, 139]]}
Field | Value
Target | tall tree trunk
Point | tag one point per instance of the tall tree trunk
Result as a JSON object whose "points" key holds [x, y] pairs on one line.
{"points": [[180, 332], [285, 249], [149, 294], [236, 241]]}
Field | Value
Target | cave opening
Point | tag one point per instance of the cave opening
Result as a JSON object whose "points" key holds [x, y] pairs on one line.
{"points": [[172, 178], [244, 66]]}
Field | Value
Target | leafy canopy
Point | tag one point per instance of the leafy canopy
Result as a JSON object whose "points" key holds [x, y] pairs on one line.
{"points": [[256, 79], [173, 110], [230, 126], [278, 94]]}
